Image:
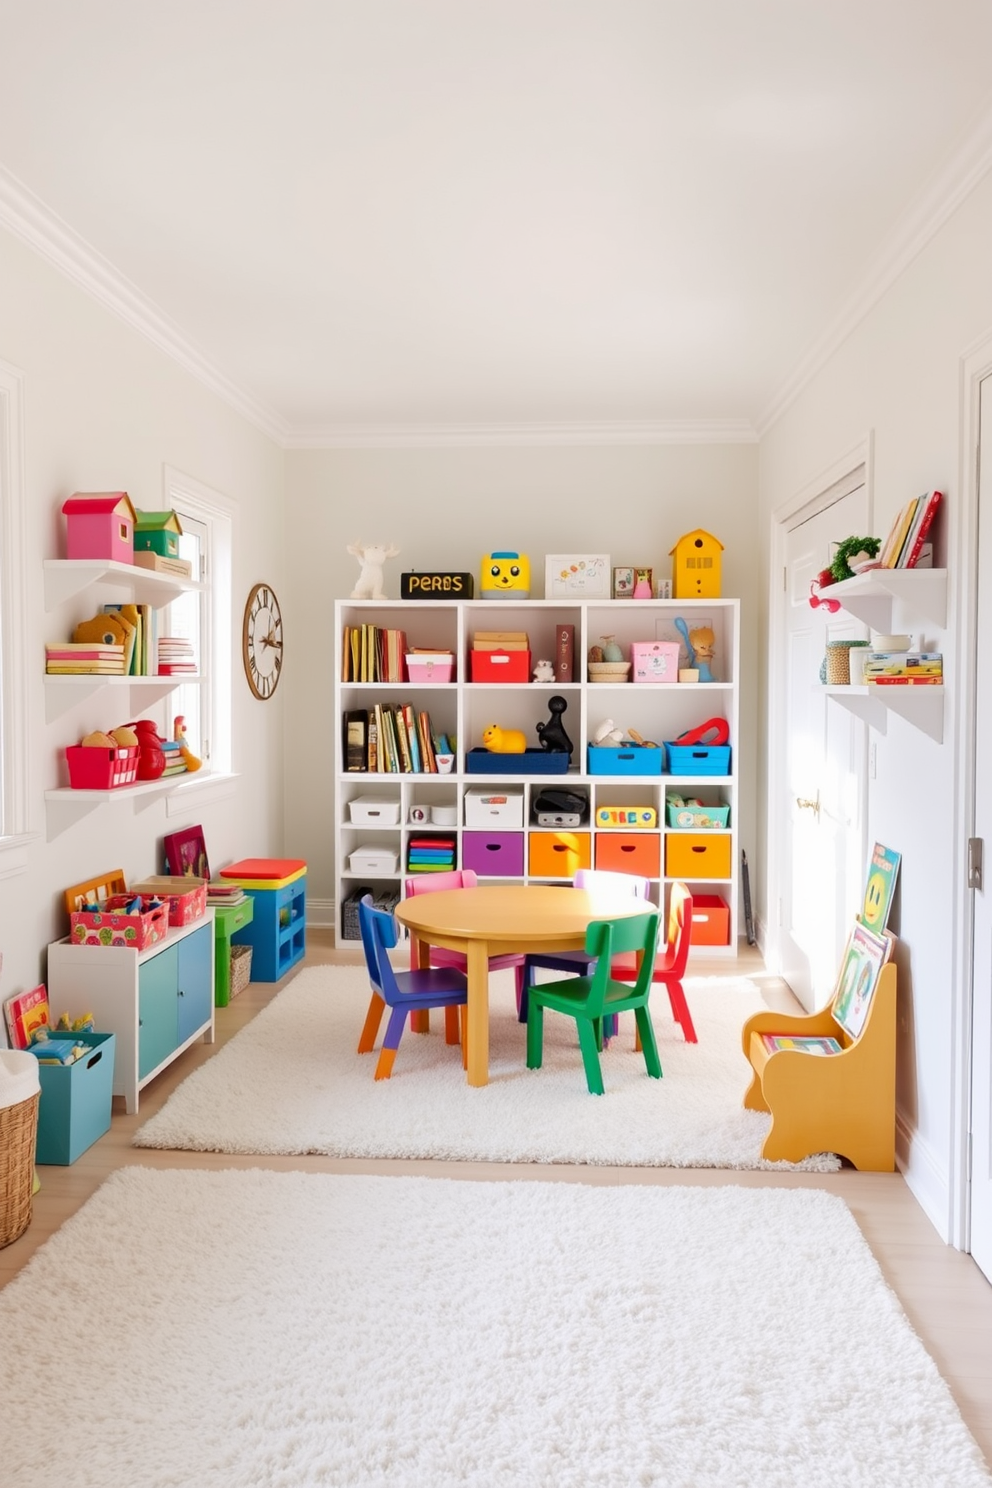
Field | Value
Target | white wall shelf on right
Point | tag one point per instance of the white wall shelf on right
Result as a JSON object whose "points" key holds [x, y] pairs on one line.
{"points": [[872, 596], [923, 707]]}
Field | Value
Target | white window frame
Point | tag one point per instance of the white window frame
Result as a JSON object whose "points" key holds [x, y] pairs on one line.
{"points": [[217, 512], [15, 753]]}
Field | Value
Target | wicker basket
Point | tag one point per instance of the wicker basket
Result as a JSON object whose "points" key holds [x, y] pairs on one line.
{"points": [[18, 1133], [839, 662], [240, 968]]}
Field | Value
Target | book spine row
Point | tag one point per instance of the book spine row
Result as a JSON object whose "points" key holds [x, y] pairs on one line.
{"points": [[371, 653], [390, 739]]}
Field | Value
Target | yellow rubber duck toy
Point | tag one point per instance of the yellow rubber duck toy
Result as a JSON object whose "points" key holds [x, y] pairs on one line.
{"points": [[179, 735]]}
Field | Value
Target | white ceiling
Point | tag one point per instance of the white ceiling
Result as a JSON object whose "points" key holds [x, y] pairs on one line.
{"points": [[426, 217]]}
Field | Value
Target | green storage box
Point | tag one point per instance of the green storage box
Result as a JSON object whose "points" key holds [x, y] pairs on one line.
{"points": [[76, 1101]]}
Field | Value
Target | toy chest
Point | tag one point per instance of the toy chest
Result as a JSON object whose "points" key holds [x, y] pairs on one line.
{"points": [[559, 854], [710, 920], [698, 759], [492, 807], [631, 759], [654, 661], [481, 761], [499, 666], [422, 666], [697, 855], [692, 817], [371, 859], [91, 768], [76, 1101], [374, 811], [111, 926], [184, 898], [499, 854], [629, 852]]}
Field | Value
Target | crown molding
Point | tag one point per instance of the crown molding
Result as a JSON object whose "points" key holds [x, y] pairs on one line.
{"points": [[459, 436], [918, 225], [25, 216]]}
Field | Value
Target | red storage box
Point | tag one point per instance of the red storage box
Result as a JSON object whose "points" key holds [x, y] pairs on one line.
{"points": [[499, 666], [710, 920], [101, 769], [110, 926], [185, 898]]}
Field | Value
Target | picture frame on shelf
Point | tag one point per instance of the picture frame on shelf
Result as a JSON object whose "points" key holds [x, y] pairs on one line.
{"points": [[577, 576], [186, 853]]}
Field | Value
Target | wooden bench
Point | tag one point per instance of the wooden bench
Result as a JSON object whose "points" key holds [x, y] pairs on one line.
{"points": [[843, 1102]]}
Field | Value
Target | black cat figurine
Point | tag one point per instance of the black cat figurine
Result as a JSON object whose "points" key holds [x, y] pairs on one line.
{"points": [[552, 734]]}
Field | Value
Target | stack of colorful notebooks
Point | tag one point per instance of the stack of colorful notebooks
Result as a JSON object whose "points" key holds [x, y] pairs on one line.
{"points": [[431, 854]]}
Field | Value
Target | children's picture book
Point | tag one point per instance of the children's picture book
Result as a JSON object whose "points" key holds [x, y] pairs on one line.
{"points": [[864, 956], [25, 1014], [804, 1043], [883, 870]]}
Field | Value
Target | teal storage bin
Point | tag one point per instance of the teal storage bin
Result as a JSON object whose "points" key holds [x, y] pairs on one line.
{"points": [[630, 759], [76, 1101], [698, 759]]}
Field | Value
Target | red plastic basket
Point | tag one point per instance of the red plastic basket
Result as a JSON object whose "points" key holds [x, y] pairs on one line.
{"points": [[91, 768]]}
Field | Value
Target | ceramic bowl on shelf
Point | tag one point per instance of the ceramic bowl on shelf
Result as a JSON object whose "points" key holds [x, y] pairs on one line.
{"points": [[891, 642], [608, 671]]}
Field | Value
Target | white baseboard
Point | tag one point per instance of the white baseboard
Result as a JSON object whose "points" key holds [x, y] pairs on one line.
{"points": [[320, 914], [925, 1178]]}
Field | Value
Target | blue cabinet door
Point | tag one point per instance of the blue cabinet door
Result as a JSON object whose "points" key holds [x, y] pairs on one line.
{"points": [[193, 984], [156, 1010]]}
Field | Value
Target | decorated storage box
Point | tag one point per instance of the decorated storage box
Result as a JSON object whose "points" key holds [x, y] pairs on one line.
{"points": [[110, 925], [626, 816], [424, 666], [491, 806], [185, 898], [91, 768], [696, 815], [654, 661], [76, 1101]]}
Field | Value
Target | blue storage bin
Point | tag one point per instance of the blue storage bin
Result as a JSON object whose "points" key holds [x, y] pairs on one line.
{"points": [[698, 759], [631, 759], [481, 761], [76, 1101]]}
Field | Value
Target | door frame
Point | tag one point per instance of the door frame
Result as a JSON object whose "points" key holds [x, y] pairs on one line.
{"points": [[817, 494]]}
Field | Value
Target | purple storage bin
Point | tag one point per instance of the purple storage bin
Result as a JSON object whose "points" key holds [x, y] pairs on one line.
{"points": [[494, 853]]}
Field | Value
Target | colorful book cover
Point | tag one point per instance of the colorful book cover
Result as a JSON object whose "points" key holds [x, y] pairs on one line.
{"points": [[883, 871], [25, 1014], [864, 957], [804, 1043]]}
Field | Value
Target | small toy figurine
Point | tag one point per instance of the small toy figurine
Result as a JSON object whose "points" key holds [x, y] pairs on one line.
{"points": [[505, 575], [544, 672], [371, 556], [552, 734], [700, 645], [504, 741], [179, 736]]}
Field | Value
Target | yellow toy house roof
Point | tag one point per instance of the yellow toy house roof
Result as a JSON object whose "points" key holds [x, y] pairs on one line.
{"points": [[690, 536]]}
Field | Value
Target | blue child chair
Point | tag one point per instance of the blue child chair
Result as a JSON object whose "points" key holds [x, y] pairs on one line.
{"points": [[403, 992]]}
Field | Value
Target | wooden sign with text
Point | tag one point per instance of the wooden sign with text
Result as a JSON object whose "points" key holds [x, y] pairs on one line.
{"points": [[436, 586]]}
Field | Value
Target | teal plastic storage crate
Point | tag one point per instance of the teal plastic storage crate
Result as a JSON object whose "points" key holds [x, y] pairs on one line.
{"points": [[630, 759], [76, 1101], [698, 759]]}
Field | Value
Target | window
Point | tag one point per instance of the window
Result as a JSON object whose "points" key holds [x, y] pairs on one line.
{"points": [[14, 743], [203, 616]]}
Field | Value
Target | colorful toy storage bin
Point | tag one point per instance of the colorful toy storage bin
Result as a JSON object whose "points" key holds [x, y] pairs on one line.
{"points": [[629, 852], [481, 761], [559, 854], [92, 768], [499, 666], [628, 759], [185, 898], [696, 816], [494, 854], [424, 666], [698, 759], [76, 1101], [693, 855], [277, 932], [710, 920], [111, 925]]}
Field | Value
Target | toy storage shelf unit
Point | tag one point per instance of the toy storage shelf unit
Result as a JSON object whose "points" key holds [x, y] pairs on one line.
{"points": [[277, 929], [157, 1002], [489, 805]]}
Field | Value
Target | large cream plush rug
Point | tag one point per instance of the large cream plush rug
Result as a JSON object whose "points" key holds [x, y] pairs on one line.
{"points": [[291, 1082], [288, 1330]]}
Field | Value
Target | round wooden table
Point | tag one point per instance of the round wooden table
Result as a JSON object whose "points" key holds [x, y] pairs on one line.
{"points": [[495, 919]]}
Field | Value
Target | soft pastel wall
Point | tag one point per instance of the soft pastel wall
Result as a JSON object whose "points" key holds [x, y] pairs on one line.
{"points": [[898, 376], [105, 410], [444, 508]]}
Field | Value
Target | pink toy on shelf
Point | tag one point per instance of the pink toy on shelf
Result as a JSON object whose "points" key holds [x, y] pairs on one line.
{"points": [[100, 524]]}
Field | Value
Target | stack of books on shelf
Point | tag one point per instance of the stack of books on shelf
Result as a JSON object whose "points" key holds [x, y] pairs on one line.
{"points": [[76, 658], [225, 891], [904, 546], [371, 653], [431, 854], [904, 669], [175, 657], [391, 739], [175, 764]]}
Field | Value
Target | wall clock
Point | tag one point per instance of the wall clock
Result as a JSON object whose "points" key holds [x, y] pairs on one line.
{"points": [[261, 641]]}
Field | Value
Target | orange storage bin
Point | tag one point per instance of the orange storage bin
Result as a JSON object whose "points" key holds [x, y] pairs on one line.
{"points": [[710, 920], [629, 852], [558, 854], [697, 855]]}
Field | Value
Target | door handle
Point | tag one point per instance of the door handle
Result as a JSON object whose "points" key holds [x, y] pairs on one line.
{"points": [[805, 805]]}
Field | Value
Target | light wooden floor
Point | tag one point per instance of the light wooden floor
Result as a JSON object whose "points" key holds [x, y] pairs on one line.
{"points": [[945, 1296]]}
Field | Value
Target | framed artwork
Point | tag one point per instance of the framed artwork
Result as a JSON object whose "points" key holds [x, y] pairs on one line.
{"points": [[864, 956], [186, 854], [577, 576]]}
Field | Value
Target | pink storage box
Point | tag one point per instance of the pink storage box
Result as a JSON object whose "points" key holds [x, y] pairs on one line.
{"points": [[424, 667], [110, 926], [654, 661], [184, 898]]}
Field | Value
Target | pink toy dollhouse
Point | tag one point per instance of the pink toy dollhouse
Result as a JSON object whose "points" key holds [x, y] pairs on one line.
{"points": [[100, 524]]}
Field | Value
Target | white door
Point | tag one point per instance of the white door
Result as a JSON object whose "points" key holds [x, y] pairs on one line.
{"points": [[981, 1049], [821, 805]]}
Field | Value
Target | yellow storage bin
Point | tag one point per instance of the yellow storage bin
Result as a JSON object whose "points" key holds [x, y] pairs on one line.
{"points": [[697, 854], [559, 854]]}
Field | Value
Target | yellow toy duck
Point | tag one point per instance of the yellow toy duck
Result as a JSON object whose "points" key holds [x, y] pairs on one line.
{"points": [[179, 735]]}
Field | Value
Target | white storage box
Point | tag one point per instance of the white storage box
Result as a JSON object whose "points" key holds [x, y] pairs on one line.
{"points": [[491, 807], [374, 811], [371, 859]]}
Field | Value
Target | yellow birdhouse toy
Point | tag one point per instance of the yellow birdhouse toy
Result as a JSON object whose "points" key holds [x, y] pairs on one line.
{"points": [[696, 566]]}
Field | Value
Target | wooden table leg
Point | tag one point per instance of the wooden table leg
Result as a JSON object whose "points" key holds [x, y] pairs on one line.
{"points": [[420, 959], [478, 1012]]}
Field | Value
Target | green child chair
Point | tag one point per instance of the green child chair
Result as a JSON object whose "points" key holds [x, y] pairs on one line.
{"points": [[588, 999]]}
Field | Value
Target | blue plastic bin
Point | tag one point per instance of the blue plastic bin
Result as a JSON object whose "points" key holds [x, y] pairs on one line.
{"points": [[480, 761], [698, 759], [630, 759], [76, 1101]]}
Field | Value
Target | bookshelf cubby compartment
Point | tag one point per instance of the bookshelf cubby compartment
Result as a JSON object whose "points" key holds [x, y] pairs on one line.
{"points": [[659, 712]]}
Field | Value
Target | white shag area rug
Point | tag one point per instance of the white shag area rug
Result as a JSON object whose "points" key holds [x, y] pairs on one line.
{"points": [[288, 1330], [291, 1082]]}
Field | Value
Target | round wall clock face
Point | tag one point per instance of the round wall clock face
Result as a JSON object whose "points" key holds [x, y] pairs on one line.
{"points": [[261, 641]]}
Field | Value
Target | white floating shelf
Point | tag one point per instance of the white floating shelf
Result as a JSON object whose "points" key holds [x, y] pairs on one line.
{"points": [[921, 706], [871, 596]]}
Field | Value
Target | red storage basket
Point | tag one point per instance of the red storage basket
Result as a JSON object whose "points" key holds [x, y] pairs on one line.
{"points": [[91, 768]]}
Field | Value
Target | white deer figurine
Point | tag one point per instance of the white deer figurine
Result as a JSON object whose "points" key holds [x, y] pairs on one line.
{"points": [[371, 556]]}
